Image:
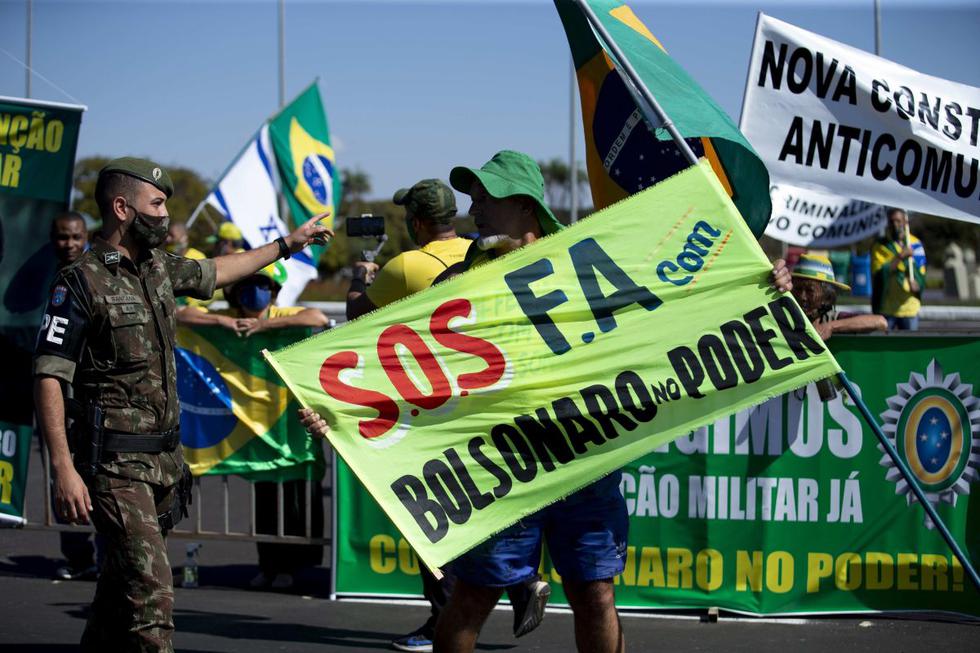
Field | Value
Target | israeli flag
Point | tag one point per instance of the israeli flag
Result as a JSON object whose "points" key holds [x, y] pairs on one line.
{"points": [[247, 195]]}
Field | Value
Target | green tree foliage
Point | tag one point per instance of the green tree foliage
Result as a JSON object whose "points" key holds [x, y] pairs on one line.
{"points": [[557, 182], [936, 233], [356, 184]]}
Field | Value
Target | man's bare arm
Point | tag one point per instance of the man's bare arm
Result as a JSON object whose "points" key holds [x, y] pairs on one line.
{"points": [[309, 317], [233, 267], [859, 324], [71, 497]]}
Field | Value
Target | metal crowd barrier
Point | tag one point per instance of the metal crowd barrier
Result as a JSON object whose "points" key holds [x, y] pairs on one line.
{"points": [[216, 512]]}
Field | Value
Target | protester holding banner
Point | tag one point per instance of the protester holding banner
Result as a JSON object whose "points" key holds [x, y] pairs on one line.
{"points": [[110, 319], [895, 293], [815, 287], [587, 530]]}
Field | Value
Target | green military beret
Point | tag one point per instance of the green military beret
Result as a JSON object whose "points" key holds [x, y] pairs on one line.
{"points": [[143, 169], [430, 199]]}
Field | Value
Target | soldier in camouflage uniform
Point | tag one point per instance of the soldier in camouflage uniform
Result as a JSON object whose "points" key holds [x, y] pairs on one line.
{"points": [[109, 329]]}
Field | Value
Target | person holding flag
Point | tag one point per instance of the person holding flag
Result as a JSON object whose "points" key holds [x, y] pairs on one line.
{"points": [[898, 273]]}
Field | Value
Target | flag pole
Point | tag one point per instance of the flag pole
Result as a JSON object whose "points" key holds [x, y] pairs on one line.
{"points": [[30, 31], [191, 220], [660, 116], [910, 479], [283, 206], [573, 169], [877, 28]]}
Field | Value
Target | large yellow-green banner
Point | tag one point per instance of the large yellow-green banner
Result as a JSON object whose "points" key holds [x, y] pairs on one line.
{"points": [[478, 401]]}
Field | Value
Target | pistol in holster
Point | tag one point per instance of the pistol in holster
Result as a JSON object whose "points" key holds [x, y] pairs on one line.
{"points": [[182, 497], [87, 437]]}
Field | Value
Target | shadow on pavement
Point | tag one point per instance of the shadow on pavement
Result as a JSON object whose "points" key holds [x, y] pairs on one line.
{"points": [[65, 648], [258, 628], [34, 566], [313, 582]]}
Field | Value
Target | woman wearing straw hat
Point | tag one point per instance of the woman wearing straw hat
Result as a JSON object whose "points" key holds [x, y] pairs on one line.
{"points": [[816, 288]]}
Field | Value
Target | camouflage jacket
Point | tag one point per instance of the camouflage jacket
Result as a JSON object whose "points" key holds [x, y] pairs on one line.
{"points": [[109, 330]]}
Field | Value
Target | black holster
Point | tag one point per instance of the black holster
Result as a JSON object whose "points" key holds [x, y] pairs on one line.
{"points": [[182, 497], [86, 437]]}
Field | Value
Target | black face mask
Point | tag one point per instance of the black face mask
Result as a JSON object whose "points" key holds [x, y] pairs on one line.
{"points": [[149, 231]]}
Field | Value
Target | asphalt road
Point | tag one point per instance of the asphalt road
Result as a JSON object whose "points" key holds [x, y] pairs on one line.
{"points": [[39, 614]]}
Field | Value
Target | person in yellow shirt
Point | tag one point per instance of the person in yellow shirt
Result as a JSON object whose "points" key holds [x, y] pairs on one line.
{"points": [[898, 274], [430, 207]]}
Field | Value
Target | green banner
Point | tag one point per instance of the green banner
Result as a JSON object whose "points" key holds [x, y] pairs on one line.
{"points": [[482, 399], [236, 415], [37, 156], [15, 453], [788, 507]]}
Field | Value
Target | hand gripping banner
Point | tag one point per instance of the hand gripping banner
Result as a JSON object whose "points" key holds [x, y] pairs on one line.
{"points": [[484, 398]]}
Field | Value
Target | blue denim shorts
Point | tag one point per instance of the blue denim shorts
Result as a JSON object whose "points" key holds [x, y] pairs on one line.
{"points": [[586, 535]]}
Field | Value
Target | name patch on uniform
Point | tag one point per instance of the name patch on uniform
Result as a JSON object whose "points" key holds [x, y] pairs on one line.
{"points": [[122, 299], [58, 295]]}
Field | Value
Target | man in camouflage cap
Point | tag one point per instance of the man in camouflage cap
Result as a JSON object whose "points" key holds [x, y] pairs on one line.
{"points": [[430, 207], [109, 330]]}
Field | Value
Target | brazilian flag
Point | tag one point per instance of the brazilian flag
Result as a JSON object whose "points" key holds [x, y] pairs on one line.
{"points": [[306, 161], [236, 415], [625, 154]]}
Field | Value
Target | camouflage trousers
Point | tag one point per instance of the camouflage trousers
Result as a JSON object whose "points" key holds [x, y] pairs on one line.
{"points": [[133, 605]]}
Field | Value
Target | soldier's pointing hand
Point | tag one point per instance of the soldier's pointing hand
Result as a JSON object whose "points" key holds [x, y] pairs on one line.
{"points": [[310, 232]]}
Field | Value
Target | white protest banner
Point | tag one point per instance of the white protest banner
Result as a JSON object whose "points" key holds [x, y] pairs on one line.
{"points": [[811, 218], [824, 114]]}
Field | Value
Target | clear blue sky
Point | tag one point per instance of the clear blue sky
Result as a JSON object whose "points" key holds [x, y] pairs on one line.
{"points": [[411, 88]]}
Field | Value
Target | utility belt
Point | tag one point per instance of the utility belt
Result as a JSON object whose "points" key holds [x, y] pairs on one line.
{"points": [[90, 442], [117, 442]]}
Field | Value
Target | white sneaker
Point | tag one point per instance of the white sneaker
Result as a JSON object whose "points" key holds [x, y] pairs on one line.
{"points": [[529, 607]]}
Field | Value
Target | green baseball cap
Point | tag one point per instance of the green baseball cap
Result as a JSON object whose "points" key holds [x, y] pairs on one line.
{"points": [[507, 174], [143, 169], [430, 198]]}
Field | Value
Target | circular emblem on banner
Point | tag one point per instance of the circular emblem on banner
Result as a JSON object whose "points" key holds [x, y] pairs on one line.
{"points": [[929, 422], [58, 295], [157, 173], [318, 173]]}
